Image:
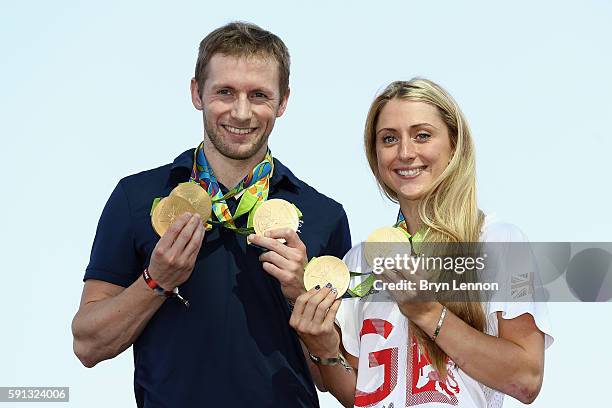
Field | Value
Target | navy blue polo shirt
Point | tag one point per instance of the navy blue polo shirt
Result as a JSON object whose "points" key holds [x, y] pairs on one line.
{"points": [[234, 345]]}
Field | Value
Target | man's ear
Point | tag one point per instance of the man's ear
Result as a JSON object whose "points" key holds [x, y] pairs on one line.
{"points": [[283, 104], [195, 95]]}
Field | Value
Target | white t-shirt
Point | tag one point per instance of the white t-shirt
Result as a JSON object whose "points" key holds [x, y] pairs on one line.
{"points": [[392, 371]]}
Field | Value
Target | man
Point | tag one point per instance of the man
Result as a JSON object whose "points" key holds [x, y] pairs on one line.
{"points": [[233, 346]]}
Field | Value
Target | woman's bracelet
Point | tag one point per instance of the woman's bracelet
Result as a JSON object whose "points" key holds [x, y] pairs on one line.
{"points": [[439, 326], [340, 360]]}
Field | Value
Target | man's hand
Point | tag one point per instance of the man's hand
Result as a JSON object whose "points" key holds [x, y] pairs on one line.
{"points": [[284, 261], [174, 255]]}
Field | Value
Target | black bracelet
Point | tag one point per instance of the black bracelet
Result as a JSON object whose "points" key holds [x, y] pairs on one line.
{"points": [[291, 305]]}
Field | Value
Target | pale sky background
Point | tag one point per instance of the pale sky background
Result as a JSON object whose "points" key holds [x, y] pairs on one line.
{"points": [[94, 91]]}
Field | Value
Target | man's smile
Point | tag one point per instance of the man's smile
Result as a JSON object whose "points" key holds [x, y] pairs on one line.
{"points": [[239, 130]]}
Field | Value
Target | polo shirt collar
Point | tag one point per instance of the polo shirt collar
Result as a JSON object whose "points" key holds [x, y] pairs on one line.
{"points": [[281, 173], [185, 159]]}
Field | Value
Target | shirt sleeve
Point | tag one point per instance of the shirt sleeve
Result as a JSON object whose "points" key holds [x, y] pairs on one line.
{"points": [[113, 257], [340, 239], [517, 273]]}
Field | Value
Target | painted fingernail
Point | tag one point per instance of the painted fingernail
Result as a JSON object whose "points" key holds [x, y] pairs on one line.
{"points": [[334, 290], [317, 287], [329, 285]]}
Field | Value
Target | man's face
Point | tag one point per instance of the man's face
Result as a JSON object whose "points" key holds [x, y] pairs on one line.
{"points": [[240, 102]]}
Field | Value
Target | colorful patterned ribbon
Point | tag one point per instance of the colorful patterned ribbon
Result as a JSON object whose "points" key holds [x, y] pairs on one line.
{"points": [[366, 286], [254, 187], [403, 226]]}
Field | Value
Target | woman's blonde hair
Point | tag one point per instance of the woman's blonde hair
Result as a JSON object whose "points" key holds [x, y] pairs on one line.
{"points": [[448, 210]]}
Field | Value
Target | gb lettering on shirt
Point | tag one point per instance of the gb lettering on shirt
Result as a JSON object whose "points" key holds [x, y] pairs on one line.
{"points": [[424, 383], [393, 369]]}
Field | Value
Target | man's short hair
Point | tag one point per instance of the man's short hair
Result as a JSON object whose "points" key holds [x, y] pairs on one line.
{"points": [[241, 39]]}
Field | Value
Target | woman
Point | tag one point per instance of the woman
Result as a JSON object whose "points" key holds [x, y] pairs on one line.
{"points": [[426, 353]]}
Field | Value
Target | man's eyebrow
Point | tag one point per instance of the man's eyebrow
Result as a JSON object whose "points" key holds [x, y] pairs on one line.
{"points": [[265, 90], [222, 85]]}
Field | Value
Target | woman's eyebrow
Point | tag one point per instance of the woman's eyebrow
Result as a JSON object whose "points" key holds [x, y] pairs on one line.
{"points": [[423, 124], [387, 129]]}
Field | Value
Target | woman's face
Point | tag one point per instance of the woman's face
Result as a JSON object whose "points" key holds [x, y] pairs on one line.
{"points": [[413, 147]]}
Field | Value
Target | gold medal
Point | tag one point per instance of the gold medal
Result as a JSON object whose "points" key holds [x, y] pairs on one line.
{"points": [[196, 196], [273, 214], [327, 269], [385, 242], [167, 211]]}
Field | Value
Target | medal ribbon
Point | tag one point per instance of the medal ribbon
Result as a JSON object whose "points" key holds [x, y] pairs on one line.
{"points": [[403, 226], [365, 287], [254, 187]]}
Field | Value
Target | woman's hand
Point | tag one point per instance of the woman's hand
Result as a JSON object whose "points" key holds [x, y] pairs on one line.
{"points": [[416, 304], [313, 318]]}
